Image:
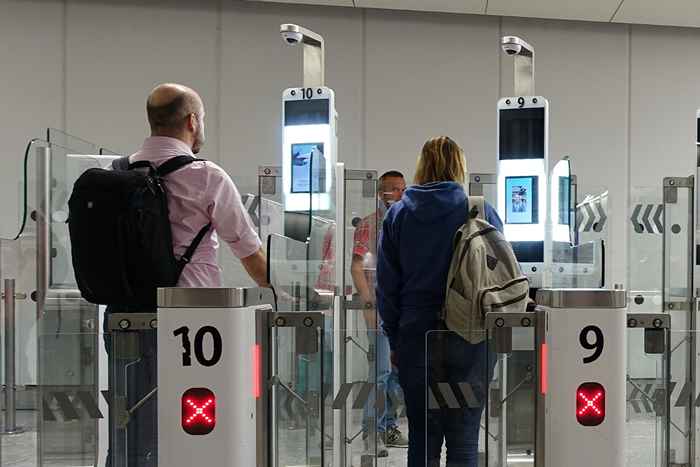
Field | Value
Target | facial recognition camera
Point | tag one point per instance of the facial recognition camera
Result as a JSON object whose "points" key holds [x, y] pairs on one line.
{"points": [[512, 49], [293, 34], [512, 45], [292, 37]]}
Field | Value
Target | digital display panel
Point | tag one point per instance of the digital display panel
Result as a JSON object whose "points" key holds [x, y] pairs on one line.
{"points": [[564, 200], [521, 200], [521, 133], [308, 168], [198, 407], [590, 404], [307, 112]]}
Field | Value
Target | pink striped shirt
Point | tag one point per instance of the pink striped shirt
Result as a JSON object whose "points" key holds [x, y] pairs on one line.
{"points": [[200, 193]]}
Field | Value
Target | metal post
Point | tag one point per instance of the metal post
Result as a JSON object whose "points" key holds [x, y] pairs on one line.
{"points": [[523, 65], [314, 52], [43, 240], [340, 459], [11, 427]]}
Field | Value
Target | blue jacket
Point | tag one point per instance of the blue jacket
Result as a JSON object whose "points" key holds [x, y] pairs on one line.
{"points": [[414, 254]]}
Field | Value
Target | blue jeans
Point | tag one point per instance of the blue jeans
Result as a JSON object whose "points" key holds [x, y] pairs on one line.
{"points": [[387, 380], [434, 366]]}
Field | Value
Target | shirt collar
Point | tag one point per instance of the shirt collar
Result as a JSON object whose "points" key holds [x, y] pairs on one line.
{"points": [[157, 147]]}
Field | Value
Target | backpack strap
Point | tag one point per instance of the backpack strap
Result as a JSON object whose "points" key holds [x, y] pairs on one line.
{"points": [[478, 207], [187, 257], [121, 163], [174, 163]]}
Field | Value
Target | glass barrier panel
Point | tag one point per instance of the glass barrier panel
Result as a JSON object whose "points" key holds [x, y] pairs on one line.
{"points": [[368, 427], [647, 398], [509, 438], [678, 247], [133, 376], [645, 249], [72, 415], [301, 374], [458, 387], [678, 231]]}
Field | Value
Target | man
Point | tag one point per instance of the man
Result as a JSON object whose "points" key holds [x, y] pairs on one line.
{"points": [[198, 194], [363, 269]]}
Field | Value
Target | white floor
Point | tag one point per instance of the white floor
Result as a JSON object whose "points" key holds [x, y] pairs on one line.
{"points": [[21, 450]]}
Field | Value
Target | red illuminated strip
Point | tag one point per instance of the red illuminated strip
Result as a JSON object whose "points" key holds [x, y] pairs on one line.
{"points": [[544, 370], [257, 370]]}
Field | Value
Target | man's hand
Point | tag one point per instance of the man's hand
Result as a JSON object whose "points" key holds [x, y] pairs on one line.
{"points": [[394, 358]]}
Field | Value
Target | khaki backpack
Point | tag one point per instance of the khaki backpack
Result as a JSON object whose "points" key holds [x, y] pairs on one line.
{"points": [[484, 276]]}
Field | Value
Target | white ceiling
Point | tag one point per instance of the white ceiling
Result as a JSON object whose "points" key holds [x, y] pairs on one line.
{"points": [[658, 12]]}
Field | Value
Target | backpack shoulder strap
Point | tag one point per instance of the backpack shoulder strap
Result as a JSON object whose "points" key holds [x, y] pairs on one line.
{"points": [[174, 163], [477, 207], [121, 163], [187, 257]]}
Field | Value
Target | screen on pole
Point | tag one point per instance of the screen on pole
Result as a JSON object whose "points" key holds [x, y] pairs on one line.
{"points": [[308, 168], [522, 204]]}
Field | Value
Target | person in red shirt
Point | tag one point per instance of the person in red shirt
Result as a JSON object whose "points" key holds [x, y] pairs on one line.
{"points": [[391, 187]]}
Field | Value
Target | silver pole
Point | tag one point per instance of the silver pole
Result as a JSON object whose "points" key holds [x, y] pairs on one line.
{"points": [[43, 266], [43, 227], [11, 427]]}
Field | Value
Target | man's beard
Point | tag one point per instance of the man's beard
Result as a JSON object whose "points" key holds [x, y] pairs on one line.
{"points": [[198, 142]]}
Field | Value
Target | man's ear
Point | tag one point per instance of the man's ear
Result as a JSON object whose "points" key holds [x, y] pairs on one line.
{"points": [[192, 122]]}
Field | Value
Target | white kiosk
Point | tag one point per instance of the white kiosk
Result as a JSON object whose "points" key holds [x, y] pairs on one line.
{"points": [[583, 369], [523, 165], [579, 381], [209, 367]]}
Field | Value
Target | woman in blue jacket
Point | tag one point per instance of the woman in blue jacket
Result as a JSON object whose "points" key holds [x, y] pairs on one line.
{"points": [[414, 254]]}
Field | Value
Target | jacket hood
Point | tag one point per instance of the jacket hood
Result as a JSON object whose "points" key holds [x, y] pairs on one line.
{"points": [[430, 202]]}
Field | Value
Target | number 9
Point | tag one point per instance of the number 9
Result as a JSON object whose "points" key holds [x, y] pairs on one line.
{"points": [[596, 346]]}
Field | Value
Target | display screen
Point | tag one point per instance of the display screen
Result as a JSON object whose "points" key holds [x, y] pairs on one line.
{"points": [[198, 407], [590, 404], [521, 134], [521, 200], [308, 168], [564, 200], [306, 112]]}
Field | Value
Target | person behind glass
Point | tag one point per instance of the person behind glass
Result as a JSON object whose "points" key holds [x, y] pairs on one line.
{"points": [[391, 187], [414, 253]]}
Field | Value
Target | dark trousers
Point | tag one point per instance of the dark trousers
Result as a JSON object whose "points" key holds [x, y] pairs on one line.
{"points": [[444, 380], [132, 373]]}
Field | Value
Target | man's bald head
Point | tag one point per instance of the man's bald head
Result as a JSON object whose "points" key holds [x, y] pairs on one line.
{"points": [[169, 105], [175, 110]]}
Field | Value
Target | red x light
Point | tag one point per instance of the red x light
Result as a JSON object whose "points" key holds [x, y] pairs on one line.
{"points": [[198, 411], [590, 404]]}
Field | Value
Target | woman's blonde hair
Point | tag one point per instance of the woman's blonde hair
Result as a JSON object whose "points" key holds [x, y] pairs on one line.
{"points": [[441, 160]]}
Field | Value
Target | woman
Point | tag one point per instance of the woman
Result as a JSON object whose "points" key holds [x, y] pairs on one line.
{"points": [[414, 254]]}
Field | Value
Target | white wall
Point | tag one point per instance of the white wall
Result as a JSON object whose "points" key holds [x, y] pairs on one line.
{"points": [[622, 98]]}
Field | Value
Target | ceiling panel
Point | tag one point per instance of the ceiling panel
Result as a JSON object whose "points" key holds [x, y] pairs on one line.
{"points": [[315, 2], [671, 13], [445, 6], [587, 10]]}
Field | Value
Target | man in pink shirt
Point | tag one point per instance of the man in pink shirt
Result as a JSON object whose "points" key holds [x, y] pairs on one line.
{"points": [[199, 194]]}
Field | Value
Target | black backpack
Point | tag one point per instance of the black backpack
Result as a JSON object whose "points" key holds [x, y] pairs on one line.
{"points": [[120, 233]]}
